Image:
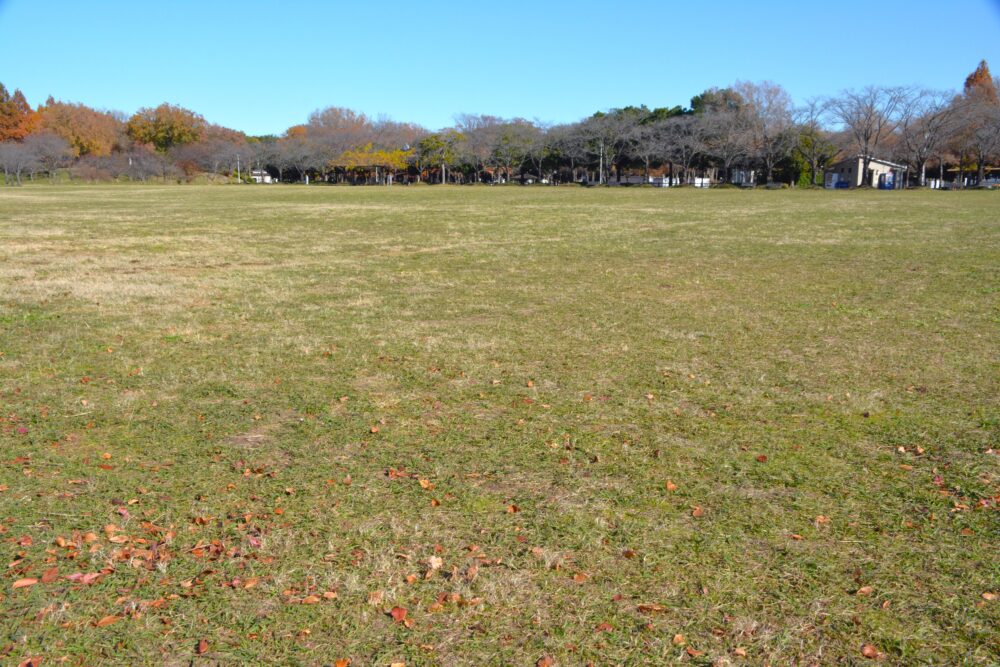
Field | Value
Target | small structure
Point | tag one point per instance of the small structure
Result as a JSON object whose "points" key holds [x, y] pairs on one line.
{"points": [[260, 176], [882, 174]]}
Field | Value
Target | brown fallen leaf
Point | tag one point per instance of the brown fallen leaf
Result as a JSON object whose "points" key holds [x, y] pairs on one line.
{"points": [[761, 458], [604, 627], [50, 575], [24, 583], [107, 620], [740, 652], [864, 591], [329, 595], [311, 599], [513, 509], [671, 487], [398, 614], [697, 511], [870, 652], [251, 582], [629, 553], [679, 640], [989, 596], [693, 653], [202, 647], [545, 661], [651, 608], [343, 662]]}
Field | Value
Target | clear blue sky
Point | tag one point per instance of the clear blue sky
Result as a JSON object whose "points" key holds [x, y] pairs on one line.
{"points": [[263, 66]]}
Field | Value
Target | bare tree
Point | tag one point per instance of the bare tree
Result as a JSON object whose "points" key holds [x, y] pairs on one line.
{"points": [[15, 160], [728, 138], [684, 141], [813, 141], [768, 112], [647, 142], [480, 133], [49, 151], [926, 124], [513, 143], [980, 134], [608, 136], [869, 116], [540, 149]]}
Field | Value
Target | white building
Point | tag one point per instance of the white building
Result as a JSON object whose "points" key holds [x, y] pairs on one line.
{"points": [[261, 176], [882, 174]]}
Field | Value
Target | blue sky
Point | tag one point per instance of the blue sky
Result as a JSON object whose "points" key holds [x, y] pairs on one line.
{"points": [[264, 66]]}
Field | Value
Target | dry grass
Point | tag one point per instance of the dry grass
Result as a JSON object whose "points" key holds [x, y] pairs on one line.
{"points": [[267, 375]]}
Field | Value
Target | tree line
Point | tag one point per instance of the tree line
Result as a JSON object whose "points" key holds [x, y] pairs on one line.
{"points": [[745, 134]]}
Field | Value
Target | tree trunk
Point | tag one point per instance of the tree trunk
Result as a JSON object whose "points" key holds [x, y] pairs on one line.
{"points": [[923, 173]]}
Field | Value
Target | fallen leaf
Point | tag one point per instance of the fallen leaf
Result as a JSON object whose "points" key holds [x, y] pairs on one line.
{"points": [[671, 487], [693, 653], [863, 591], [50, 575], [796, 536], [34, 661], [604, 627], [545, 661], [435, 562], [426, 484], [651, 608], [870, 652], [202, 647], [761, 458], [24, 583], [741, 652], [989, 596], [697, 511], [398, 614], [679, 640], [513, 509], [311, 599], [329, 595], [343, 662], [629, 553], [107, 620], [375, 598]]}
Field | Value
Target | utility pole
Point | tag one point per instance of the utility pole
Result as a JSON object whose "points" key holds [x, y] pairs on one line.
{"points": [[238, 179]]}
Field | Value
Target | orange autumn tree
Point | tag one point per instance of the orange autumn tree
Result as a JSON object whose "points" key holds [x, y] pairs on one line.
{"points": [[367, 158], [165, 126], [16, 117], [88, 131], [980, 84]]}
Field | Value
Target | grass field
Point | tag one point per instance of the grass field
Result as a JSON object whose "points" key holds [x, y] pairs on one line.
{"points": [[475, 426]]}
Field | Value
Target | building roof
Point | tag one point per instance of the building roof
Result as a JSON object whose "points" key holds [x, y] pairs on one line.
{"points": [[870, 159]]}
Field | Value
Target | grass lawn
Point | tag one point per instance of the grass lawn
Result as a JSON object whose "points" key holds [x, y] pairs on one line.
{"points": [[498, 426]]}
